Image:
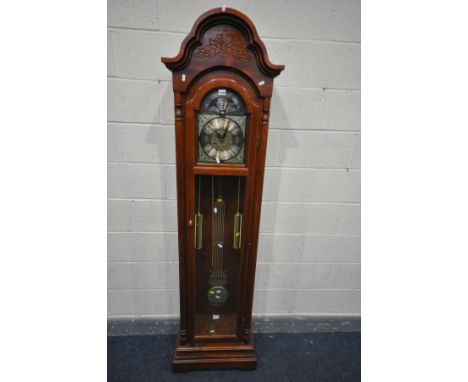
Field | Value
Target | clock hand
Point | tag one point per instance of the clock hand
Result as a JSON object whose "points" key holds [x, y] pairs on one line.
{"points": [[217, 128], [225, 129]]}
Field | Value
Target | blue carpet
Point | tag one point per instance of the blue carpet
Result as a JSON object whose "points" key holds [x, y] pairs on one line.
{"points": [[282, 357]]}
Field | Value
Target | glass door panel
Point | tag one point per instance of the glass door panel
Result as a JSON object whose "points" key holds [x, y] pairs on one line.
{"points": [[219, 207]]}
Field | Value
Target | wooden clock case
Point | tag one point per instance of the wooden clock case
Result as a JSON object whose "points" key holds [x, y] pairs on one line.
{"points": [[222, 51]]}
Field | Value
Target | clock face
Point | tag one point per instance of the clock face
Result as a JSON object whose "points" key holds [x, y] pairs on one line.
{"points": [[221, 128], [221, 139]]}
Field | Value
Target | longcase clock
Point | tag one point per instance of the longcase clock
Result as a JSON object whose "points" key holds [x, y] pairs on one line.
{"points": [[222, 81]]}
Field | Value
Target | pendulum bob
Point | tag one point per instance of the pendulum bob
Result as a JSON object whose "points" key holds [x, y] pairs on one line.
{"points": [[217, 295]]}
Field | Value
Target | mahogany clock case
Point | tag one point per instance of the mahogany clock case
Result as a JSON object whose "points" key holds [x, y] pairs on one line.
{"points": [[222, 81]]}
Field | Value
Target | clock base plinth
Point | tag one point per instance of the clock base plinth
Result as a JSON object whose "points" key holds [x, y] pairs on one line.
{"points": [[214, 356]]}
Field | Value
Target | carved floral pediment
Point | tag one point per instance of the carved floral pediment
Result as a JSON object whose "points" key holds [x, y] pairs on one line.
{"points": [[224, 33], [225, 44]]}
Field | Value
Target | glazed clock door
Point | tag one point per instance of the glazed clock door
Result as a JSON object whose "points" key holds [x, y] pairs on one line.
{"points": [[221, 133]]}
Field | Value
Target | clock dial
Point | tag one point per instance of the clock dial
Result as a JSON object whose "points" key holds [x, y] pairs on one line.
{"points": [[221, 139], [221, 128]]}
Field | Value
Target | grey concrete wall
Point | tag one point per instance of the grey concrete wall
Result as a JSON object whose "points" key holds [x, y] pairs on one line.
{"points": [[309, 252]]}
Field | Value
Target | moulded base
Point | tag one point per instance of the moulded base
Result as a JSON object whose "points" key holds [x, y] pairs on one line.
{"points": [[226, 355]]}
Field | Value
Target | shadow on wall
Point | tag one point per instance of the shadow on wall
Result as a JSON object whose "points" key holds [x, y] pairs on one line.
{"points": [[154, 216], [268, 221]]}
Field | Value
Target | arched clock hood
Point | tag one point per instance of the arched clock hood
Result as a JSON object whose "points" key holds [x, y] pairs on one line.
{"points": [[213, 43]]}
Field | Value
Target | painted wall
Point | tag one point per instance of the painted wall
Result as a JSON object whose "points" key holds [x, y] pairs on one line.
{"points": [[309, 252]]}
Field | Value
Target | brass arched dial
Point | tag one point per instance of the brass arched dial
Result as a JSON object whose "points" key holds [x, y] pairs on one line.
{"points": [[221, 139]]}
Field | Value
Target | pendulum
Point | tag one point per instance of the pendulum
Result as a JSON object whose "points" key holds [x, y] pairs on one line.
{"points": [[217, 293]]}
